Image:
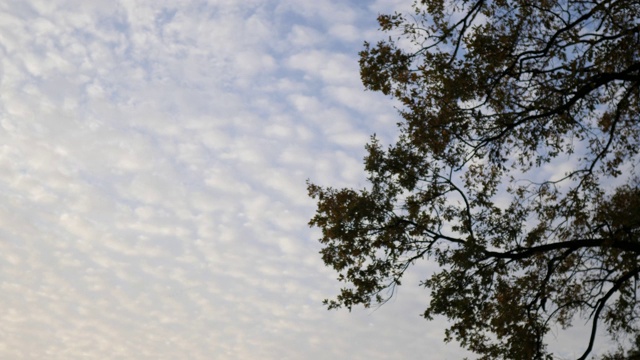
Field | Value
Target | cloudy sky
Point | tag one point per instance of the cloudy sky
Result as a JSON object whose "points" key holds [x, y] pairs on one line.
{"points": [[153, 158]]}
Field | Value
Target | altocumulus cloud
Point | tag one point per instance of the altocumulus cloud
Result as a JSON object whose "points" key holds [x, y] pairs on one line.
{"points": [[153, 158]]}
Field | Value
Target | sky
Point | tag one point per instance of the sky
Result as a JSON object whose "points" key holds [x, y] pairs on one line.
{"points": [[153, 160]]}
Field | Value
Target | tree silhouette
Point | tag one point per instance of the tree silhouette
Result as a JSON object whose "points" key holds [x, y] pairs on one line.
{"points": [[514, 170]]}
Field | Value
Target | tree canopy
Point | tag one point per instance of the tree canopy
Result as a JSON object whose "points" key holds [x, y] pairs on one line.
{"points": [[514, 170]]}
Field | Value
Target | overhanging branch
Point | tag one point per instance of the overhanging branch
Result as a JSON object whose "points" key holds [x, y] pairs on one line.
{"points": [[522, 253]]}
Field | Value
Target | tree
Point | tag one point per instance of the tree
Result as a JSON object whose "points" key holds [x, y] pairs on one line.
{"points": [[514, 170]]}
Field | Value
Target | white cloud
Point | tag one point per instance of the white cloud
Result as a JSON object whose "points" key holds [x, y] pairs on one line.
{"points": [[302, 36], [331, 68]]}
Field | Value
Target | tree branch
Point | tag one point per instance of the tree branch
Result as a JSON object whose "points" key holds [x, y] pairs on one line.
{"points": [[521, 253], [602, 302]]}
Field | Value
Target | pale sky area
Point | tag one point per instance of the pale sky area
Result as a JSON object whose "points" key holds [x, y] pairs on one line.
{"points": [[153, 158]]}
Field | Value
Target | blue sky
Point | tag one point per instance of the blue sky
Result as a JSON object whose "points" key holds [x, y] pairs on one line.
{"points": [[153, 158]]}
